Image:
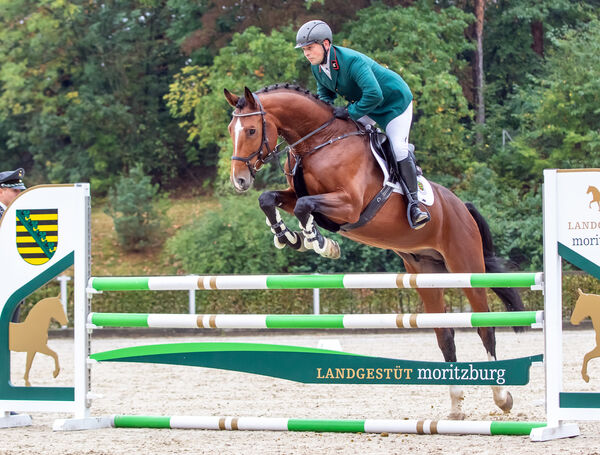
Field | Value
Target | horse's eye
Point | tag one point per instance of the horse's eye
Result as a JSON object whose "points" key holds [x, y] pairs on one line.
{"points": [[251, 131]]}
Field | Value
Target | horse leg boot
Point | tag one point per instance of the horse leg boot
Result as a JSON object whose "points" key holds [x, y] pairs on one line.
{"points": [[408, 173], [282, 235]]}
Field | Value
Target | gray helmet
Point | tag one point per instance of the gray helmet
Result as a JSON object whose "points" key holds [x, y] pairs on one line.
{"points": [[313, 32]]}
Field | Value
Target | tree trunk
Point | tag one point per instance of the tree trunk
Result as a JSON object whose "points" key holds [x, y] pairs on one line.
{"points": [[537, 33], [479, 82]]}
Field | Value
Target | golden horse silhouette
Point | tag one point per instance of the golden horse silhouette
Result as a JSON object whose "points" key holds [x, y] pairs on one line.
{"points": [[31, 335], [588, 305], [595, 196]]}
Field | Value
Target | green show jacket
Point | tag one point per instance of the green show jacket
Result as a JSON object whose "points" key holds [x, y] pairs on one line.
{"points": [[370, 88]]}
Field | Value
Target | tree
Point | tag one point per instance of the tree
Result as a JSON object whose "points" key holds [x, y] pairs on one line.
{"points": [[82, 86], [559, 117], [429, 58]]}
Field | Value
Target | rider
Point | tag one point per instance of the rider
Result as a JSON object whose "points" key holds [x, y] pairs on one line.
{"points": [[376, 94]]}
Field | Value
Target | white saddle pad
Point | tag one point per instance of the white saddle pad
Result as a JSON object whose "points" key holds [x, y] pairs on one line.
{"points": [[426, 195]]}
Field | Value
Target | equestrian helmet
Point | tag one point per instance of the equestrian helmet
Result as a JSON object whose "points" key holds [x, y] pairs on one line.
{"points": [[313, 32]]}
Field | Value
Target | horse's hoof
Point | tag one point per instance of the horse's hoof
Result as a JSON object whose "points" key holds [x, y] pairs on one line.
{"points": [[457, 415], [332, 249], [278, 244], [585, 377], [55, 372], [27, 384], [508, 403]]}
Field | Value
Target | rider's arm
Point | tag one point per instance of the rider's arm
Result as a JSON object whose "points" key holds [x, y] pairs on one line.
{"points": [[325, 94], [372, 95]]}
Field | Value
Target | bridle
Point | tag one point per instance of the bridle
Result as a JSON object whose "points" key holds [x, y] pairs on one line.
{"points": [[275, 152], [260, 160]]}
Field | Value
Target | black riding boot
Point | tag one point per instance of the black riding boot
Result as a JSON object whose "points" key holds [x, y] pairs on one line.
{"points": [[408, 172]]}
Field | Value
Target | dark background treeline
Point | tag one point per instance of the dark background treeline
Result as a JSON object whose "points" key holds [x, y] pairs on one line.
{"points": [[116, 90]]}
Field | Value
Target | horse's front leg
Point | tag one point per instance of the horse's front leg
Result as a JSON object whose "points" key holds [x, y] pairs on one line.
{"points": [[333, 205], [269, 202]]}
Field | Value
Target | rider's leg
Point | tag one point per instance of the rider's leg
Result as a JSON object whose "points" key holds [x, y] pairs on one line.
{"points": [[397, 131]]}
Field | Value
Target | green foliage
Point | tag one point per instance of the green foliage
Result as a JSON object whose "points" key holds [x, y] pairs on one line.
{"points": [[134, 206], [514, 216], [82, 87], [558, 118], [426, 47], [235, 239]]}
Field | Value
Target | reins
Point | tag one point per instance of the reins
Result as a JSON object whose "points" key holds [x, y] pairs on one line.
{"points": [[275, 152]]}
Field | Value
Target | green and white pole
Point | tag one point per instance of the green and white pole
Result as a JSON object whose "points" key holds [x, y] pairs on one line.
{"points": [[331, 281], [317, 321], [448, 427]]}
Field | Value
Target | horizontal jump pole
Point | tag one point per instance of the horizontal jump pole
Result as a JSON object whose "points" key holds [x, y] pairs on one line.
{"points": [[316, 321], [331, 281], [448, 427]]}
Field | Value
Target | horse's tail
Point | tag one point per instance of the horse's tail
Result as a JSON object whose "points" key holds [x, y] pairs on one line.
{"points": [[493, 264]]}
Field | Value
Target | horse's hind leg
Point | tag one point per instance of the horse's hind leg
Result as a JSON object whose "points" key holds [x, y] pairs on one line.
{"points": [[433, 301], [478, 300]]}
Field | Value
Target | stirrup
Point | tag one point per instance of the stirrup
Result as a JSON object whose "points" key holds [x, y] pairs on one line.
{"points": [[424, 216]]}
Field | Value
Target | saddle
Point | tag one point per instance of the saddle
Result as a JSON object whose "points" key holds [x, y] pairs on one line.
{"points": [[383, 147]]}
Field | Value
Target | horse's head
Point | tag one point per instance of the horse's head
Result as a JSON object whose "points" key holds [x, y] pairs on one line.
{"points": [[581, 310], [252, 131], [55, 309]]}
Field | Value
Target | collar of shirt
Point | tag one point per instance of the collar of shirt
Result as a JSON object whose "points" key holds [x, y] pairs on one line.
{"points": [[3, 206], [325, 67]]}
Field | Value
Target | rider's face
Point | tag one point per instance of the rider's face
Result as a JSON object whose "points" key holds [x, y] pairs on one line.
{"points": [[315, 53]]}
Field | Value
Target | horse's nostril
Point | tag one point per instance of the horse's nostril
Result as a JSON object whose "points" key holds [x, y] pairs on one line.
{"points": [[241, 181]]}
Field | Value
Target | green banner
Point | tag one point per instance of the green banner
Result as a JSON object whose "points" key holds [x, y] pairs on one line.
{"points": [[319, 366]]}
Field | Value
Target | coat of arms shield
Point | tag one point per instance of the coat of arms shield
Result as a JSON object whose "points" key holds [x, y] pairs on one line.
{"points": [[37, 235]]}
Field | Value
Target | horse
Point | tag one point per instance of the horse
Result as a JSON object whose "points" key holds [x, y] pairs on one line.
{"points": [[595, 196], [31, 335], [588, 305], [340, 178]]}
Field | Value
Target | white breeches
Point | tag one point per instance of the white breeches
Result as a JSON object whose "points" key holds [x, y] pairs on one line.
{"points": [[397, 131]]}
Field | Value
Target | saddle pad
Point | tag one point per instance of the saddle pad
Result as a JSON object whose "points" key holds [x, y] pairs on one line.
{"points": [[426, 195]]}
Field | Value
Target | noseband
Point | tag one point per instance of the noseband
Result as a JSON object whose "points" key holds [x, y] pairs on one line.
{"points": [[260, 159]]}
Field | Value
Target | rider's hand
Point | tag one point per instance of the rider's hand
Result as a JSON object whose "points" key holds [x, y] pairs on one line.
{"points": [[341, 112]]}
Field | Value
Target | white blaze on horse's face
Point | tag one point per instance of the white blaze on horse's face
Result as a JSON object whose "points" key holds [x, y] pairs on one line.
{"points": [[240, 178]]}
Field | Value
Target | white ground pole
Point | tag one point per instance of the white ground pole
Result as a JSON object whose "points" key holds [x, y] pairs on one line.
{"points": [[553, 339]]}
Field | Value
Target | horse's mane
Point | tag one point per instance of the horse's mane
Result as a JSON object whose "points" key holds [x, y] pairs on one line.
{"points": [[285, 87]]}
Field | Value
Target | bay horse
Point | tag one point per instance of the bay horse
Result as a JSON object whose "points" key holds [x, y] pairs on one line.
{"points": [[588, 305], [31, 335], [340, 178]]}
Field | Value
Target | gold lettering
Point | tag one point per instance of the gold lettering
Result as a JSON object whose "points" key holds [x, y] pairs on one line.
{"points": [[319, 373], [360, 373], [339, 373], [370, 373], [329, 374], [408, 372], [351, 373]]}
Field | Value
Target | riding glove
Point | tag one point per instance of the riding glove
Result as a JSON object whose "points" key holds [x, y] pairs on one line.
{"points": [[341, 112]]}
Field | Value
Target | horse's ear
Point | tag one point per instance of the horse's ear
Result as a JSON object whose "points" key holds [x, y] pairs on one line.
{"points": [[580, 292], [249, 97], [231, 98]]}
